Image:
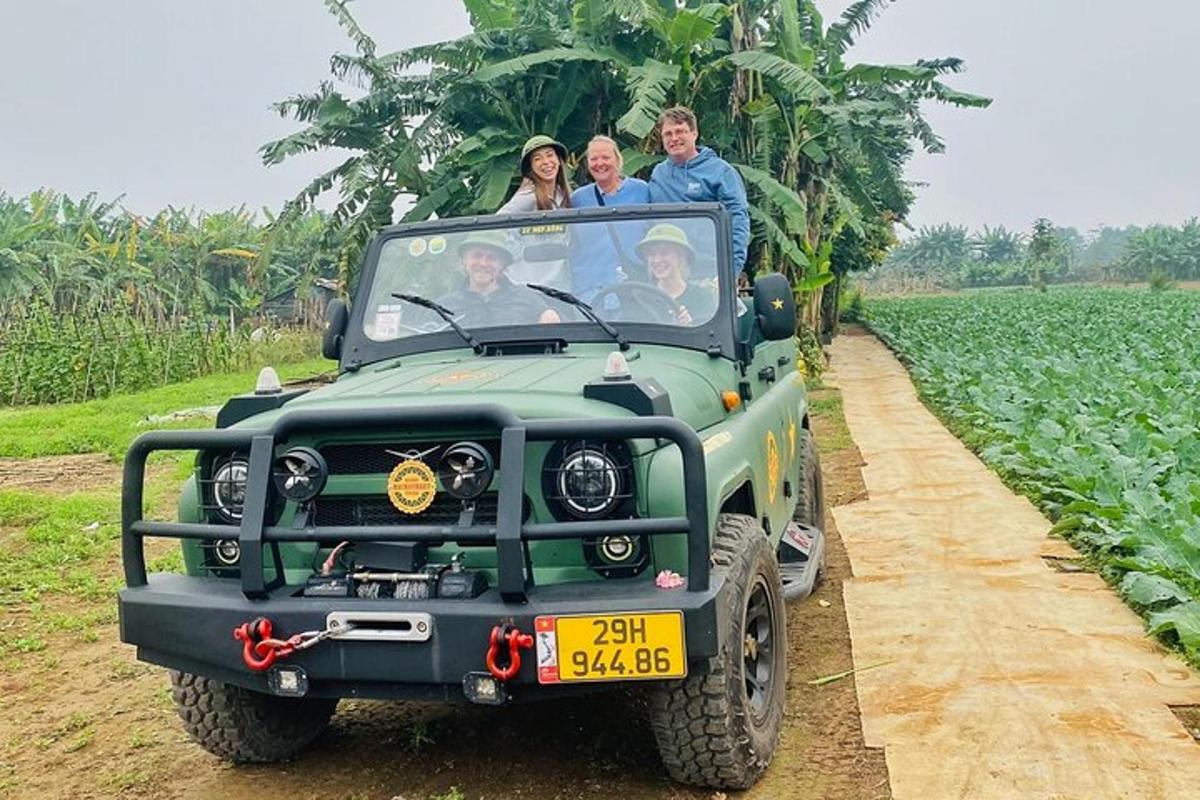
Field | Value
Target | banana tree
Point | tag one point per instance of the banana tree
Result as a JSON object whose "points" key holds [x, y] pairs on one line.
{"points": [[820, 143]]}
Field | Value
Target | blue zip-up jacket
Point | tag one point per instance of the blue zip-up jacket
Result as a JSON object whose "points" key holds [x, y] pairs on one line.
{"points": [[706, 178]]}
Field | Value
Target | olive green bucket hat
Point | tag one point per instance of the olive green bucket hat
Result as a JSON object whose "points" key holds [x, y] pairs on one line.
{"points": [[494, 240], [666, 233], [536, 143]]}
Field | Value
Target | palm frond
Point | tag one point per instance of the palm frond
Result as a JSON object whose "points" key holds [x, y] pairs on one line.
{"points": [[855, 21], [364, 43], [797, 80], [792, 36], [778, 237], [489, 14], [939, 91], [790, 204], [649, 84], [557, 55]]}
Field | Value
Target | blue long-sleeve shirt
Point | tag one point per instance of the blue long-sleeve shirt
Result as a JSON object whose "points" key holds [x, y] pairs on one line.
{"points": [[706, 178], [594, 259]]}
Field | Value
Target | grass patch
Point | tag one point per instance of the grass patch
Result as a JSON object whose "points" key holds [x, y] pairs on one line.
{"points": [[827, 404], [62, 537], [68, 545], [110, 424]]}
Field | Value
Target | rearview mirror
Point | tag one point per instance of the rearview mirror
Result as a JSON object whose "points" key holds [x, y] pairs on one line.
{"points": [[336, 316], [774, 307]]}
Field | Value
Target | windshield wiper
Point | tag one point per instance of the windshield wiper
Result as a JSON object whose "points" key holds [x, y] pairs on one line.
{"points": [[584, 308], [445, 314]]}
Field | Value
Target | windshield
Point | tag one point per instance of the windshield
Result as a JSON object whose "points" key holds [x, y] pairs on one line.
{"points": [[650, 270]]}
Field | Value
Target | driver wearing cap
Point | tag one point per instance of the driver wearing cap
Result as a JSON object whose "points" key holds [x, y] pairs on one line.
{"points": [[669, 255], [490, 299]]}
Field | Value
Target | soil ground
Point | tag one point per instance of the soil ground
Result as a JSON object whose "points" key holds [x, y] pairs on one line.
{"points": [[60, 474], [83, 718]]}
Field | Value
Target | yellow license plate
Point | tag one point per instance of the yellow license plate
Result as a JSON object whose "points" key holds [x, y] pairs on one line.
{"points": [[611, 647]]}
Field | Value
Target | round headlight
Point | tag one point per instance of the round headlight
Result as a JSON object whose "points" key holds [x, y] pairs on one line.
{"points": [[589, 483], [227, 552], [299, 474], [229, 489], [466, 470]]}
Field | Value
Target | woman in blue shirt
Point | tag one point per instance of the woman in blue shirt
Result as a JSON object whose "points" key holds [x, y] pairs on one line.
{"points": [[602, 252]]}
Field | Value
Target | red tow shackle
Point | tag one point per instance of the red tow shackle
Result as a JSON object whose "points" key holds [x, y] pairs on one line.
{"points": [[507, 635], [257, 657]]}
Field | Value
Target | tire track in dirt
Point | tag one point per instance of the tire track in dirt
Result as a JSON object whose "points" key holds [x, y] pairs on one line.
{"points": [[1003, 677]]}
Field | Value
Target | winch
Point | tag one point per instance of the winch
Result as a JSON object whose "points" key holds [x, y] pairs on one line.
{"points": [[399, 570]]}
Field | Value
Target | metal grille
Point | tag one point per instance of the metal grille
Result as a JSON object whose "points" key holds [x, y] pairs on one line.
{"points": [[378, 510], [367, 458]]}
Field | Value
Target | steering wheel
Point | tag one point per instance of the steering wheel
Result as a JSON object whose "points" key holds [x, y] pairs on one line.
{"points": [[654, 304]]}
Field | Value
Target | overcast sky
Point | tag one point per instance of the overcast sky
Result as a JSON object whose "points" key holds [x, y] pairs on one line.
{"points": [[1095, 117]]}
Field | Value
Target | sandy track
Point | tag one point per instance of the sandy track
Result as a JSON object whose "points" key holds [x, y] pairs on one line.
{"points": [[1006, 678]]}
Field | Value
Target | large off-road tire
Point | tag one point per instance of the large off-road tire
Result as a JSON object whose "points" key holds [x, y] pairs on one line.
{"points": [[719, 727], [810, 495], [244, 726], [810, 492]]}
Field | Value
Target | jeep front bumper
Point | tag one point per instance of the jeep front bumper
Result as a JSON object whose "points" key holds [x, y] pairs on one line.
{"points": [[187, 623]]}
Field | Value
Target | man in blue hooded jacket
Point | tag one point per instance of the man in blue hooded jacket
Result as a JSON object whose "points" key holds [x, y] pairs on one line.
{"points": [[692, 174]]}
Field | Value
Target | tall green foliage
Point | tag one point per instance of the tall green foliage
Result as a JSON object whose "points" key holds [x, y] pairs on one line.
{"points": [[948, 256], [68, 254], [95, 300], [821, 142]]}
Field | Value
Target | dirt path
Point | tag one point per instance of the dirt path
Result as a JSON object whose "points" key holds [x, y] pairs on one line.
{"points": [[83, 719], [1001, 677], [60, 474]]}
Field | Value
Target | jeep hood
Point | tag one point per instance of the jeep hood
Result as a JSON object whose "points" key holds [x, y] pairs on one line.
{"points": [[532, 386]]}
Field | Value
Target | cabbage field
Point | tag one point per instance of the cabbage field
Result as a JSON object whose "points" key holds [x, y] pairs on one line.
{"points": [[1087, 401]]}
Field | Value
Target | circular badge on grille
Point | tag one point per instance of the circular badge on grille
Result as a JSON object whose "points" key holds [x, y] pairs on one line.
{"points": [[411, 486]]}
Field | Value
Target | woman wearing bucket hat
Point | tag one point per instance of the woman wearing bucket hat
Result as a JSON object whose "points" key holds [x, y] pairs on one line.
{"points": [[669, 255], [544, 187]]}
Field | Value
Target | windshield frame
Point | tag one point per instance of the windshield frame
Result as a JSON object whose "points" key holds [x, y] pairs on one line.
{"points": [[716, 338]]}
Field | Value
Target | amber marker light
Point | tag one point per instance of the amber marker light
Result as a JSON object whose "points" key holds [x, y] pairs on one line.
{"points": [[730, 399]]}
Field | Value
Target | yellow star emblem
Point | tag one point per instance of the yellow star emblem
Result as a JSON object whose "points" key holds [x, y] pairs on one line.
{"points": [[778, 304]]}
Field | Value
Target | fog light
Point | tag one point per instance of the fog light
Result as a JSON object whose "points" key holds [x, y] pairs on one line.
{"points": [[482, 688], [466, 470], [617, 549], [300, 474], [227, 552], [287, 681]]}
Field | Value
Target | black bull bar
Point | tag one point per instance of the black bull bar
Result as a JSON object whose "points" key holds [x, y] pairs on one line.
{"points": [[509, 534]]}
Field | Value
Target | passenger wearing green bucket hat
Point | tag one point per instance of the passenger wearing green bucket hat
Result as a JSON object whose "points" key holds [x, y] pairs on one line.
{"points": [[490, 299], [669, 255], [493, 240]]}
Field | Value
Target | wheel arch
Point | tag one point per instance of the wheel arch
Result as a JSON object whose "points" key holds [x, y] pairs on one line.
{"points": [[738, 495]]}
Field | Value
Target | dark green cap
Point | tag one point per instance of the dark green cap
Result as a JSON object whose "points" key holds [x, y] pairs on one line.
{"points": [[666, 233], [495, 240]]}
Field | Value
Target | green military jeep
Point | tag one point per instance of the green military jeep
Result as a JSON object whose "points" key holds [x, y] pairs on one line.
{"points": [[562, 454]]}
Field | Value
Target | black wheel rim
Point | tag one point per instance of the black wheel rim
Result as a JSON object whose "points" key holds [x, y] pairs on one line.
{"points": [[758, 650]]}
